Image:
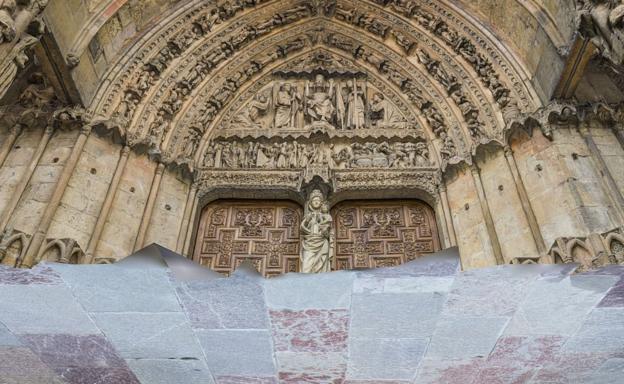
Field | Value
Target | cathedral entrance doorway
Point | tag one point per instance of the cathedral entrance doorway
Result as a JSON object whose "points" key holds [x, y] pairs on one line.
{"points": [[372, 234], [367, 234]]}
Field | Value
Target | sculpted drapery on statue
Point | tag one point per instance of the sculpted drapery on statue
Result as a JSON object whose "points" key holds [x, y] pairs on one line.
{"points": [[317, 235], [319, 105]]}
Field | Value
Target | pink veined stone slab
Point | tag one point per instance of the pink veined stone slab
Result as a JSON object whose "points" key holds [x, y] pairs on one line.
{"points": [[311, 330], [525, 351], [37, 275], [245, 380], [312, 378], [570, 367]]}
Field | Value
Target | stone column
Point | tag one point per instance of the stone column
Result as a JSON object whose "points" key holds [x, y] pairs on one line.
{"points": [[189, 231], [525, 202], [186, 218], [106, 207], [487, 215], [149, 207], [608, 182], [14, 133], [447, 214], [23, 183], [619, 134], [40, 233]]}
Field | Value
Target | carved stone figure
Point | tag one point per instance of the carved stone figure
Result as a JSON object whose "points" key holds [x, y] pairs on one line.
{"points": [[355, 106], [7, 23], [384, 113], [192, 139], [316, 232], [249, 116], [38, 93], [319, 105], [287, 105]]}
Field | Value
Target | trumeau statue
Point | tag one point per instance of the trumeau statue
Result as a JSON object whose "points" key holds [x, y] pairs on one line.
{"points": [[317, 238]]}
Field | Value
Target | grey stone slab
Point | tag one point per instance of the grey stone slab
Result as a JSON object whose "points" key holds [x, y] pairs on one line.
{"points": [[384, 359], [167, 371], [7, 338], [602, 332], [234, 303], [418, 285], [554, 307], [465, 337], [43, 309], [238, 352], [111, 288], [444, 263], [20, 365], [150, 335], [611, 372], [490, 292], [386, 315], [300, 291]]}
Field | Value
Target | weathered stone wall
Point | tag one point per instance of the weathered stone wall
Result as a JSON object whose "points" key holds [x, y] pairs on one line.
{"points": [[81, 205], [566, 190]]}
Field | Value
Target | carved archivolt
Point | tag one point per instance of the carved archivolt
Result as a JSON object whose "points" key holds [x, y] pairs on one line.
{"points": [[421, 58]]}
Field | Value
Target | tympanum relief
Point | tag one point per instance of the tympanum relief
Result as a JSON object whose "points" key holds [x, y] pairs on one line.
{"points": [[320, 102]]}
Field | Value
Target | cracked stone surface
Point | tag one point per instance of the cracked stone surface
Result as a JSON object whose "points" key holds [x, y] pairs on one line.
{"points": [[423, 322]]}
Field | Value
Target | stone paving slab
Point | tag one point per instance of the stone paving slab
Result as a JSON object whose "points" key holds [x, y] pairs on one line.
{"points": [[7, 338], [168, 371], [43, 309], [19, 365], [235, 303], [386, 315], [238, 352], [554, 307], [384, 359], [602, 331], [422, 322], [111, 288], [150, 335], [300, 291], [465, 337], [311, 367]]}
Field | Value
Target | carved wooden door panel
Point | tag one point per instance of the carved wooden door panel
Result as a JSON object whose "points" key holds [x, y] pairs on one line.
{"points": [[383, 233], [265, 233]]}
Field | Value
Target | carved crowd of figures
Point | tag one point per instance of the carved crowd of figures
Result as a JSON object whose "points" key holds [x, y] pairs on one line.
{"points": [[337, 103], [450, 83], [460, 44], [176, 96], [294, 155]]}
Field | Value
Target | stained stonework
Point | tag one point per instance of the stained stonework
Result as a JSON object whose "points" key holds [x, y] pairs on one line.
{"points": [[131, 118]]}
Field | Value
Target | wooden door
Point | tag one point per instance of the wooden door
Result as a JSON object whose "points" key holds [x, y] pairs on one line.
{"points": [[263, 232], [372, 234]]}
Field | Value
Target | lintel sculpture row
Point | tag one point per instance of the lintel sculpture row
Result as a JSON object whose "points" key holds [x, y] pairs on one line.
{"points": [[222, 154]]}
